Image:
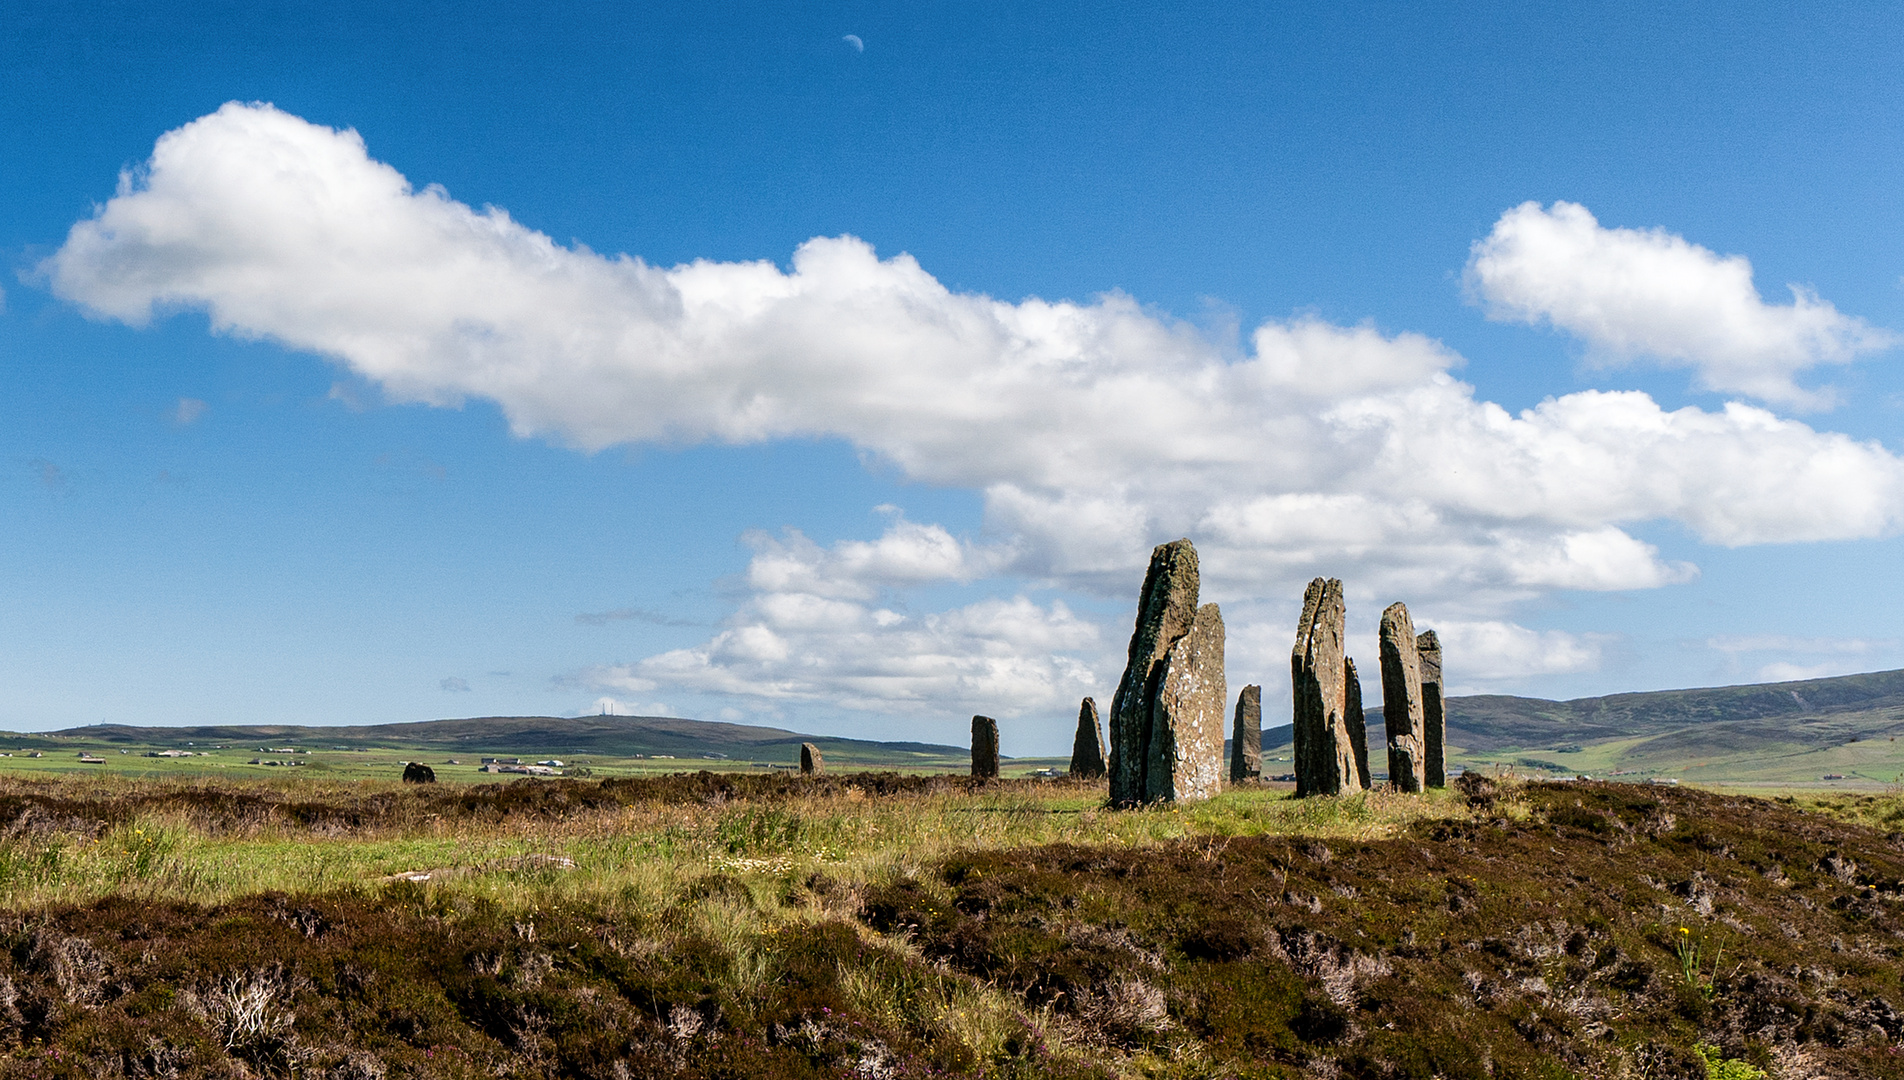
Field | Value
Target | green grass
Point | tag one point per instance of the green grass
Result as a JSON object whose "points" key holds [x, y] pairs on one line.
{"points": [[383, 763], [882, 926], [1865, 764], [168, 849]]}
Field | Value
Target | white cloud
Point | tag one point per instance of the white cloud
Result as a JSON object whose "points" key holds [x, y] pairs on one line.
{"points": [[1490, 651], [1774, 656], [1648, 293], [455, 685], [906, 554], [1785, 671], [189, 411], [1093, 430], [813, 632]]}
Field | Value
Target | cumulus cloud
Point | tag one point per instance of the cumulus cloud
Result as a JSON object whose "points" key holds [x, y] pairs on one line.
{"points": [[1493, 650], [812, 630], [1648, 293], [1823, 655], [1786, 671], [1092, 429]]}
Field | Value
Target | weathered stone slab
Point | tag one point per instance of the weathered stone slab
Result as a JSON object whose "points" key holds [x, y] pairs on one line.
{"points": [[1087, 747], [1357, 723], [1401, 701], [1186, 736], [1434, 719], [811, 761], [1324, 747], [1165, 610], [984, 747], [1246, 736]]}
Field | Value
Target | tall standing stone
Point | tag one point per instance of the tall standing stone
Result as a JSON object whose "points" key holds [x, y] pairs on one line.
{"points": [[1324, 746], [811, 763], [1165, 610], [1434, 719], [984, 747], [1246, 736], [1087, 748], [1186, 733], [1401, 701], [1358, 724]]}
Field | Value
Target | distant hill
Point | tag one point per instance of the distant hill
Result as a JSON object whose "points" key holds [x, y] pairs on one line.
{"points": [[618, 736], [1789, 730]]}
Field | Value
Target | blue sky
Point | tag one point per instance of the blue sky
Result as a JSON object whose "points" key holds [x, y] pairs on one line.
{"points": [[286, 439]]}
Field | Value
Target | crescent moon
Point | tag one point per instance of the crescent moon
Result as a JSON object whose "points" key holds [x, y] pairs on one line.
{"points": [[855, 42]]}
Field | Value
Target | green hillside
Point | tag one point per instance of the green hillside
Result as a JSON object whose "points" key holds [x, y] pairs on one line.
{"points": [[617, 736], [1768, 733], [604, 745]]}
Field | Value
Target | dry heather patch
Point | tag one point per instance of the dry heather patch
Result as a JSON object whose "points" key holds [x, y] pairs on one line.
{"points": [[1555, 930]]}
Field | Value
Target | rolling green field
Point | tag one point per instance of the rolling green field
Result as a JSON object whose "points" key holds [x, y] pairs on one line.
{"points": [[349, 754], [1838, 733]]}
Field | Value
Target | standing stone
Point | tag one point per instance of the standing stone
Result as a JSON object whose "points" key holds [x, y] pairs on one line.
{"points": [[1401, 700], [1165, 610], [811, 763], [985, 747], [1087, 749], [1246, 736], [1358, 724], [1434, 720], [1186, 733], [418, 773], [1324, 745]]}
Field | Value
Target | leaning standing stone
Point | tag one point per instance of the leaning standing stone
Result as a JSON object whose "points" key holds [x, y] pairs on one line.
{"points": [[984, 747], [1434, 719], [1323, 744], [811, 763], [1246, 736], [1087, 748], [1186, 735], [1165, 610], [1401, 700]]}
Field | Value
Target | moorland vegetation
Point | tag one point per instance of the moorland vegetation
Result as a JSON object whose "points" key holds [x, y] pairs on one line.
{"points": [[877, 925]]}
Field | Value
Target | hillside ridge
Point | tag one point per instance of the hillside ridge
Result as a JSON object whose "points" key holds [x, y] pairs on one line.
{"points": [[624, 735], [1793, 720]]}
